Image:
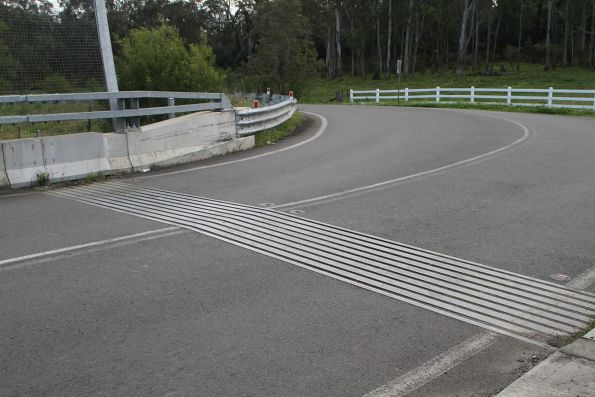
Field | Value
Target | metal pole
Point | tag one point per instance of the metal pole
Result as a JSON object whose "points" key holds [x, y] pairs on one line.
{"points": [[399, 83], [107, 57]]}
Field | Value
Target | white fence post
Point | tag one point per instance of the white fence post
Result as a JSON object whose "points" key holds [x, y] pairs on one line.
{"points": [[509, 96], [377, 95], [550, 97], [594, 102], [437, 94], [351, 95], [472, 94], [406, 94]]}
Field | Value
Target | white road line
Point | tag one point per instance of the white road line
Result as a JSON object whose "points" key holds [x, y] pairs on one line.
{"points": [[435, 367], [583, 280], [5, 262], [526, 134], [319, 132]]}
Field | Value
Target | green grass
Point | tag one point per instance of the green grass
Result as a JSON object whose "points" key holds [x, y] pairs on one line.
{"points": [[480, 106], [276, 134], [29, 130], [529, 76]]}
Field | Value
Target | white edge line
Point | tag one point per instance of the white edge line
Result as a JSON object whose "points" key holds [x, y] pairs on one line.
{"points": [[435, 367], [86, 245], [318, 133], [526, 134]]}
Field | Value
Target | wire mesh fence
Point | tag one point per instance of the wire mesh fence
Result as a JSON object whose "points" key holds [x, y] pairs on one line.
{"points": [[49, 50], [44, 49]]}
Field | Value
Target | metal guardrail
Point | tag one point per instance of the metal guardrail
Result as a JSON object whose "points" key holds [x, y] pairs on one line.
{"points": [[250, 121], [549, 97], [118, 100]]}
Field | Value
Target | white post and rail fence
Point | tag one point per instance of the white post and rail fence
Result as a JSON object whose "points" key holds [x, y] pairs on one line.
{"points": [[548, 97]]}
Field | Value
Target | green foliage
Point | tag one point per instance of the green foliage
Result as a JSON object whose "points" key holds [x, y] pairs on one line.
{"points": [[285, 55], [273, 135], [527, 76], [43, 178], [156, 59]]}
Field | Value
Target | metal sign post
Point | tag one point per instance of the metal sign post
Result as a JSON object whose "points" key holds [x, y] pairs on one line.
{"points": [[399, 81]]}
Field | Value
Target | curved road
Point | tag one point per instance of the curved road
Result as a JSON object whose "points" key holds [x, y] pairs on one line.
{"points": [[115, 304]]}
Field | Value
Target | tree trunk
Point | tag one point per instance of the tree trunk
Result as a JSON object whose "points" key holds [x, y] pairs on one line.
{"points": [[476, 42], [548, 36], [495, 41], [592, 44], [327, 61], [418, 29], [489, 34], [520, 43], [389, 39], [407, 51], [584, 58], [379, 47], [338, 58], [566, 34], [461, 50]]}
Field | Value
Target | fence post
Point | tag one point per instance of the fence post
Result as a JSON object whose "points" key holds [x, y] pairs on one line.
{"points": [[550, 97], [406, 94], [377, 94], [594, 102], [171, 102], [134, 104], [351, 95], [509, 96], [472, 94], [437, 94]]}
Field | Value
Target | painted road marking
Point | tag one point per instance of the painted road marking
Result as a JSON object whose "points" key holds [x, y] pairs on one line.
{"points": [[435, 367], [26, 260], [495, 299], [361, 189], [319, 132]]}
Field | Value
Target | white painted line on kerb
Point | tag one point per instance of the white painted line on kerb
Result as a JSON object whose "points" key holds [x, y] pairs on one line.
{"points": [[5, 262], [435, 367], [319, 132], [526, 134]]}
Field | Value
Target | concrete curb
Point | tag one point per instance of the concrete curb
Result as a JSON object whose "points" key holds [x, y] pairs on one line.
{"points": [[568, 372]]}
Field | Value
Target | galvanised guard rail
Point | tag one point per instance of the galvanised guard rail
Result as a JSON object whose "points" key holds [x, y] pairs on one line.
{"points": [[250, 121], [550, 97], [118, 100]]}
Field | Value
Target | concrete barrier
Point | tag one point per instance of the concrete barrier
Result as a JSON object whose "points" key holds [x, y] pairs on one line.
{"points": [[218, 149], [74, 156], [184, 139], [179, 140], [116, 151], [23, 161], [3, 177]]}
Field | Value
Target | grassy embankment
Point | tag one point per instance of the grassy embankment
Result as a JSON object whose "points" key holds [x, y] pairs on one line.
{"points": [[273, 135], [529, 76]]}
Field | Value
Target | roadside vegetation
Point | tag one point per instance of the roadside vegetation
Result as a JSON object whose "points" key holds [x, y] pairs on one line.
{"points": [[273, 135]]}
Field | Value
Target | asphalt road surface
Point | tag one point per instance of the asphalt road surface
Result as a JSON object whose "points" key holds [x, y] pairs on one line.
{"points": [[213, 279]]}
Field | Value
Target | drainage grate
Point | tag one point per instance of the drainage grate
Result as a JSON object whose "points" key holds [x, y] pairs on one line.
{"points": [[492, 298]]}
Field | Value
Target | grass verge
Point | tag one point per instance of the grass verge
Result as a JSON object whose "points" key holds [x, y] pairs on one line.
{"points": [[527, 76], [480, 106], [273, 135]]}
